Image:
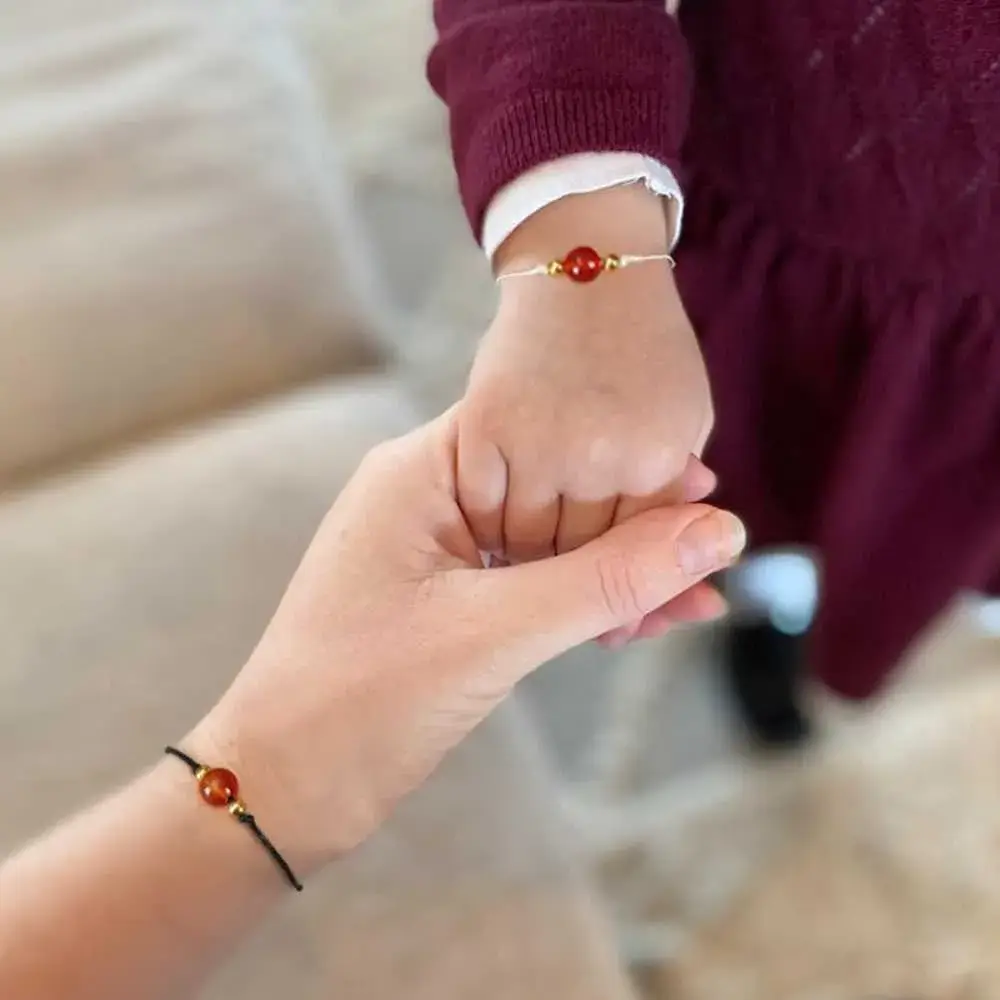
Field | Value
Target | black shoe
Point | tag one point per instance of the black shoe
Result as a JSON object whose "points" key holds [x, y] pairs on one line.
{"points": [[763, 670]]}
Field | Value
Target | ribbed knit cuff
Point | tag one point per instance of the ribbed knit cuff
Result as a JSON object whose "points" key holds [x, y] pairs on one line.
{"points": [[547, 126], [530, 83]]}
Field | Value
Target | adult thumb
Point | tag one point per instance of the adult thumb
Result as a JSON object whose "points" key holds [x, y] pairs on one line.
{"points": [[544, 608]]}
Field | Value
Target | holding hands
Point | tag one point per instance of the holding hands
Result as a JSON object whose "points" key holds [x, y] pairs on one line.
{"points": [[393, 641]]}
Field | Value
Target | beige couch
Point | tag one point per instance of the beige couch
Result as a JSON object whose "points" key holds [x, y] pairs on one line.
{"points": [[195, 348]]}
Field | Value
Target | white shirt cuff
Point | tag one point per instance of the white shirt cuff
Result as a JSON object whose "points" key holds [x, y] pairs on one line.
{"points": [[578, 174]]}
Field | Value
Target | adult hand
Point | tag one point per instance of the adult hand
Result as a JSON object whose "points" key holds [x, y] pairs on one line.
{"points": [[393, 641]]}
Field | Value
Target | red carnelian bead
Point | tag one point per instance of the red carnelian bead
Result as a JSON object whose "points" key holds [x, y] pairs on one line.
{"points": [[583, 264], [218, 786]]}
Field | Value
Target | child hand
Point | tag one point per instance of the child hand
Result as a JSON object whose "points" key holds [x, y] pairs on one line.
{"points": [[586, 403]]}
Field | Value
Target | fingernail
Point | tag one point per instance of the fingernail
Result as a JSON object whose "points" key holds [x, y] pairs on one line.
{"points": [[711, 542]]}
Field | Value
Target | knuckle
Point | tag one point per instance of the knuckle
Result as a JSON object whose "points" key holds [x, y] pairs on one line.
{"points": [[476, 419], [589, 470], [653, 467], [600, 450], [617, 577], [480, 421], [379, 458]]}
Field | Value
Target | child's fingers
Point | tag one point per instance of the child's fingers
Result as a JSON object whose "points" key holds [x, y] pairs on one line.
{"points": [[580, 521], [531, 520], [619, 637], [482, 490], [702, 603]]}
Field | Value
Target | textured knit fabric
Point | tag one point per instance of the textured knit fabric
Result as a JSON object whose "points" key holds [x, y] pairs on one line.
{"points": [[841, 258]]}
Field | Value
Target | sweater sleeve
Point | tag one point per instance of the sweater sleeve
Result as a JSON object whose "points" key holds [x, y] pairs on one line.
{"points": [[529, 81]]}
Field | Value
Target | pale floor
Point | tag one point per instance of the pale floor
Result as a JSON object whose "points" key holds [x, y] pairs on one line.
{"points": [[867, 867]]}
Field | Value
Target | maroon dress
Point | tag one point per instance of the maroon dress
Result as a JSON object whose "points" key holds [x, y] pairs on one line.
{"points": [[840, 258]]}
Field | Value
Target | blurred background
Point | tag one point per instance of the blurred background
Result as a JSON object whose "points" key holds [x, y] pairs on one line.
{"points": [[231, 260]]}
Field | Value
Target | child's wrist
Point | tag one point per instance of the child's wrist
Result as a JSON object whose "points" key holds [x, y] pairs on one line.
{"points": [[617, 305], [621, 220]]}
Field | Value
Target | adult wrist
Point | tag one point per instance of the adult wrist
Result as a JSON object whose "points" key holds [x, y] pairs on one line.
{"points": [[290, 806], [222, 844]]}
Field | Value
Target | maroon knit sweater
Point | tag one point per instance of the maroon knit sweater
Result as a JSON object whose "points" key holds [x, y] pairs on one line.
{"points": [[840, 258], [816, 110]]}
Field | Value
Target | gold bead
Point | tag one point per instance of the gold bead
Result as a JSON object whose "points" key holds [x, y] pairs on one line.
{"points": [[554, 268], [238, 808], [201, 772], [612, 262]]}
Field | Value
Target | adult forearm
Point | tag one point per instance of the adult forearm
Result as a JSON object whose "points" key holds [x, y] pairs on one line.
{"points": [[138, 897]]}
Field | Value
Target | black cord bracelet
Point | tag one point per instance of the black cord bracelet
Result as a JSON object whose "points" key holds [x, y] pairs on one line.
{"points": [[220, 787]]}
